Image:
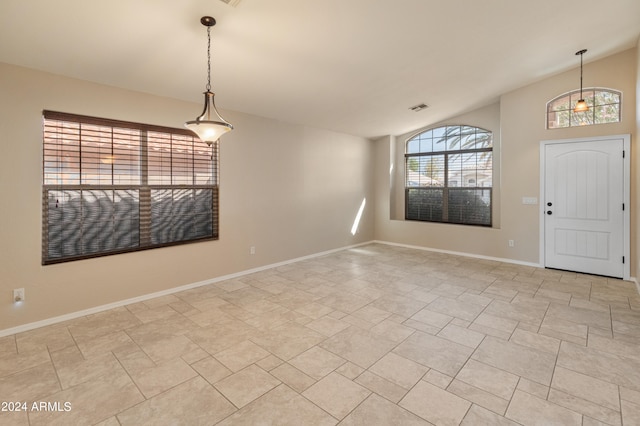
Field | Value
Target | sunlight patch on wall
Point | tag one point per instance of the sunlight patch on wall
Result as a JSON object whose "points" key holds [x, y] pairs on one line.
{"points": [[356, 222]]}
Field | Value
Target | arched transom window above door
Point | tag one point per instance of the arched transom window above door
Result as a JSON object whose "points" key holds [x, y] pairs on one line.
{"points": [[605, 106]]}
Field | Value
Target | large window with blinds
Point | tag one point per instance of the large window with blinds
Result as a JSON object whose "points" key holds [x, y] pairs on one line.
{"points": [[111, 187], [449, 175]]}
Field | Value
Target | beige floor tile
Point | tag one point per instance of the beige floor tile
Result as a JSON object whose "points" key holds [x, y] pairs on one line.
{"points": [[269, 363], [615, 346], [535, 341], [344, 301], [587, 317], [154, 380], [371, 314], [113, 342], [630, 413], [381, 386], [493, 380], [587, 408], [522, 361], [281, 406], [533, 388], [73, 369], [314, 310], [14, 362], [194, 402], [529, 311], [629, 395], [601, 365], [91, 402], [246, 385], [211, 369], [218, 337], [102, 323], [477, 416], [317, 362], [461, 335], [432, 318], [456, 308], [328, 326], [358, 346], [434, 352], [478, 396], [530, 410], [400, 305], [53, 337], [288, 340], [241, 355], [437, 378], [336, 395], [154, 314], [30, 384], [399, 370], [504, 325], [392, 330], [350, 370], [292, 377], [586, 387], [435, 405], [376, 410], [168, 347]]}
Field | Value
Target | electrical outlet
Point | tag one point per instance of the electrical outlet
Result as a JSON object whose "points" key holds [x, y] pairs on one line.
{"points": [[512, 243], [18, 295], [252, 250]]}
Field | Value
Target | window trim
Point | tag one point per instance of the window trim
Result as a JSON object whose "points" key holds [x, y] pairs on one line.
{"points": [[144, 201]]}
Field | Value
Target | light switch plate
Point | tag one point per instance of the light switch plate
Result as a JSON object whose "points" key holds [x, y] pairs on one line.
{"points": [[529, 200]]}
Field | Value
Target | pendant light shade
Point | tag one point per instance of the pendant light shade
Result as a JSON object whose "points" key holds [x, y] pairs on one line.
{"points": [[209, 125], [581, 105]]}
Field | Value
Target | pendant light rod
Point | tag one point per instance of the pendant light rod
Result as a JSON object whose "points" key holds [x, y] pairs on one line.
{"points": [[581, 105], [209, 125]]}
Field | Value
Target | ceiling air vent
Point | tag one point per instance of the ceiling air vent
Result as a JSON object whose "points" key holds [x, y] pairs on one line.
{"points": [[419, 107], [233, 3]]}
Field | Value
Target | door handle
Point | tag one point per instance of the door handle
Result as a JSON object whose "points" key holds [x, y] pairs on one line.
{"points": [[549, 212], [549, 204]]}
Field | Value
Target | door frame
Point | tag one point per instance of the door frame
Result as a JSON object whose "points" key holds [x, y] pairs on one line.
{"points": [[626, 219]]}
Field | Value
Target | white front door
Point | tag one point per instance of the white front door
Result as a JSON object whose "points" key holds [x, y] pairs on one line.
{"points": [[584, 206]]}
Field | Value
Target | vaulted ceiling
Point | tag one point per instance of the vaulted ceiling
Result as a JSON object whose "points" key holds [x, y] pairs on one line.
{"points": [[354, 66]]}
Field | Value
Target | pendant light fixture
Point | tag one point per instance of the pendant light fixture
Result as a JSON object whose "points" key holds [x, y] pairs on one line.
{"points": [[581, 105], [209, 125]]}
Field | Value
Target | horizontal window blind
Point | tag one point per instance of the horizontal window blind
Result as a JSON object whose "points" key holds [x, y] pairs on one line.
{"points": [[114, 186]]}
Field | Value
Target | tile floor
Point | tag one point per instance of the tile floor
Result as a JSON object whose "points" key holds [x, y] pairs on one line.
{"points": [[376, 335]]}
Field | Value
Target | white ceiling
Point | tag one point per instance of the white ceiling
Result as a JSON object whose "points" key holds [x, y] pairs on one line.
{"points": [[353, 66]]}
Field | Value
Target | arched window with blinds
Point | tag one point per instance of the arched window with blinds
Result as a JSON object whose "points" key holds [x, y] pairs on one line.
{"points": [[449, 175]]}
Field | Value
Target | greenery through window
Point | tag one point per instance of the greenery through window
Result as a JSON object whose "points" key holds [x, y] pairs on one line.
{"points": [[604, 107], [449, 175], [112, 186]]}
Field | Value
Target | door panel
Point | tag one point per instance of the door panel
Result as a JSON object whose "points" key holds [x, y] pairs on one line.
{"points": [[584, 194]]}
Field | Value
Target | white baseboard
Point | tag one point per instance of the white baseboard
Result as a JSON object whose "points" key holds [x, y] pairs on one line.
{"points": [[120, 303], [459, 253]]}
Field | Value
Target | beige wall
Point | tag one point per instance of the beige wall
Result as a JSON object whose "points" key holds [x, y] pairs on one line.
{"points": [[519, 120], [288, 190], [635, 176]]}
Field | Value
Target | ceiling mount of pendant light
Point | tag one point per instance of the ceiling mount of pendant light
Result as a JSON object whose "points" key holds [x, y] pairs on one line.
{"points": [[581, 105], [209, 125]]}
